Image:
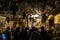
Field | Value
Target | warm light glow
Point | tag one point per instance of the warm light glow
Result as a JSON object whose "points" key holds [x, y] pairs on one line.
{"points": [[35, 15], [57, 19], [39, 19], [49, 17]]}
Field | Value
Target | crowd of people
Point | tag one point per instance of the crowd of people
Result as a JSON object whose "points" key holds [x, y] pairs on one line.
{"points": [[27, 33]]}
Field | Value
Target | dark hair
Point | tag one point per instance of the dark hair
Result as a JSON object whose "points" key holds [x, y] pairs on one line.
{"points": [[8, 28], [42, 27]]}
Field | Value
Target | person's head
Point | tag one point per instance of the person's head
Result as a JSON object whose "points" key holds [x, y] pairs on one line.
{"points": [[8, 28], [17, 28], [27, 28], [33, 27], [42, 28]]}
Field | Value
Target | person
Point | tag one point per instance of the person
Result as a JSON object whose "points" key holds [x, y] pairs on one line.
{"points": [[13, 29], [35, 35], [50, 34], [17, 34], [31, 30], [7, 32], [24, 34], [43, 33], [3, 36]]}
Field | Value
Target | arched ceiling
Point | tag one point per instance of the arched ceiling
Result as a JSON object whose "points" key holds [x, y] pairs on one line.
{"points": [[31, 5]]}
